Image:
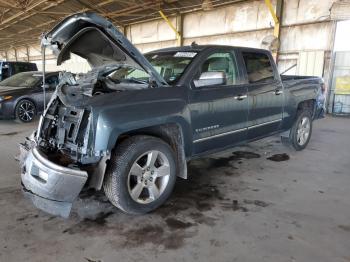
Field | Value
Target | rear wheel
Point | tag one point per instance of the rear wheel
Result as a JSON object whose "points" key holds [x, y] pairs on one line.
{"points": [[300, 133], [141, 175], [25, 111]]}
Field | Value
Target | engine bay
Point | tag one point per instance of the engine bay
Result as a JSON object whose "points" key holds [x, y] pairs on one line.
{"points": [[64, 129]]}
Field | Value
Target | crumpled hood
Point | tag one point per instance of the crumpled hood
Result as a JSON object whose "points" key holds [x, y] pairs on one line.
{"points": [[96, 39]]}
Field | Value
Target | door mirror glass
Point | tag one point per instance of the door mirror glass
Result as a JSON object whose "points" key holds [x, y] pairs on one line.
{"points": [[211, 79]]}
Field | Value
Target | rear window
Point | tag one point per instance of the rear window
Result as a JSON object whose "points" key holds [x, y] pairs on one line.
{"points": [[259, 68]]}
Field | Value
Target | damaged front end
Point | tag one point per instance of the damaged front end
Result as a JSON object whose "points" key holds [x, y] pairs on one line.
{"points": [[58, 160], [51, 187]]}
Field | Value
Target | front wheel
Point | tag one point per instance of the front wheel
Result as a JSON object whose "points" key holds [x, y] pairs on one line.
{"points": [[300, 133], [141, 174], [25, 111]]}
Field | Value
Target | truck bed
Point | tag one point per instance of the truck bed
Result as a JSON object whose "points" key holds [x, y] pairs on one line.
{"points": [[293, 80], [298, 85]]}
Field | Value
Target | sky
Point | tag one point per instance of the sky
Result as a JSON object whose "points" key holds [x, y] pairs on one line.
{"points": [[342, 37]]}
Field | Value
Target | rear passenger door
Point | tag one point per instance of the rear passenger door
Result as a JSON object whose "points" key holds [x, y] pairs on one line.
{"points": [[265, 93], [218, 112]]}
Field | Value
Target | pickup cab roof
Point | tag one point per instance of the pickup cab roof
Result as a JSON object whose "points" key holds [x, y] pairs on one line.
{"points": [[200, 48]]}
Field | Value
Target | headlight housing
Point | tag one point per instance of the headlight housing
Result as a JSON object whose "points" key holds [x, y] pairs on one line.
{"points": [[4, 98]]}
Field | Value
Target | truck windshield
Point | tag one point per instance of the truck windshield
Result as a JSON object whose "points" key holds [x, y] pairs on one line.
{"points": [[22, 80], [171, 65], [125, 74]]}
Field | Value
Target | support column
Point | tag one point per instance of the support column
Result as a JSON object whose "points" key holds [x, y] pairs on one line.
{"points": [[125, 28], [179, 26], [178, 36], [27, 48], [277, 18], [15, 54], [279, 14]]}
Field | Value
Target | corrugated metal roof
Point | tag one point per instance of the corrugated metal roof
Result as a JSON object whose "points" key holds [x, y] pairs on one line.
{"points": [[23, 21]]}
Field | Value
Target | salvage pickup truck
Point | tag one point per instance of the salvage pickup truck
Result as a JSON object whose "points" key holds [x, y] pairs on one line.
{"points": [[130, 125]]}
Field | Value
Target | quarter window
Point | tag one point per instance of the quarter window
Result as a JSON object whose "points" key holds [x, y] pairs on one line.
{"points": [[259, 68], [222, 62]]}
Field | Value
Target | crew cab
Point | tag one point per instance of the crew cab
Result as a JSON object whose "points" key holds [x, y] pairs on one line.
{"points": [[130, 125]]}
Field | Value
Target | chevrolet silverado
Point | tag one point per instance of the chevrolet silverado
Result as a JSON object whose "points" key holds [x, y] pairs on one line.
{"points": [[130, 125]]}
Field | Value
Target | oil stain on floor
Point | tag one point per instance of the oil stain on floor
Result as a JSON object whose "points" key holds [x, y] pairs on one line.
{"points": [[9, 134], [279, 157], [189, 207]]}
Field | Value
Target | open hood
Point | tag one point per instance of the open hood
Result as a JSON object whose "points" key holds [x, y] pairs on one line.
{"points": [[97, 40]]}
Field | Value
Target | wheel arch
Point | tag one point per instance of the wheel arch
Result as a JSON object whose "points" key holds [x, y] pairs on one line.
{"points": [[172, 134], [309, 104]]}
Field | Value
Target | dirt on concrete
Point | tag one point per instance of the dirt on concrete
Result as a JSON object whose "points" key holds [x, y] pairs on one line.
{"points": [[236, 206]]}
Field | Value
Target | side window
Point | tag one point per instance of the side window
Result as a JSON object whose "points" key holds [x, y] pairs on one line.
{"points": [[32, 67], [17, 68], [5, 72], [222, 62], [259, 68]]}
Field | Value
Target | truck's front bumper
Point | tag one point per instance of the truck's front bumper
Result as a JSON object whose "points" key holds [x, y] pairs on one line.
{"points": [[52, 188]]}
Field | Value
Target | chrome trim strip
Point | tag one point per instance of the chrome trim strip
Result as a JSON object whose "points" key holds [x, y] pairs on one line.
{"points": [[265, 123], [236, 131], [219, 135]]}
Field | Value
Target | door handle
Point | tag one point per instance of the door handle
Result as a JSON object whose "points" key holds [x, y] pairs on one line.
{"points": [[278, 92], [240, 97]]}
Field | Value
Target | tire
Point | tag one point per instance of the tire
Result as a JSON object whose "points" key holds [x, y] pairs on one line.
{"points": [[25, 111], [130, 185], [301, 131]]}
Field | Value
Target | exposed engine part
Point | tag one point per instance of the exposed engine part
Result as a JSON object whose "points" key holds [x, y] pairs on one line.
{"points": [[65, 128]]}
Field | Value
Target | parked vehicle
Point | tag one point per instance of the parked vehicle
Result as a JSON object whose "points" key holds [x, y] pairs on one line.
{"points": [[21, 95], [131, 124], [8, 68]]}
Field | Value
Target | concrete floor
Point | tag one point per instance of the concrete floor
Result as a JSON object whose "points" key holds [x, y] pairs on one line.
{"points": [[234, 207]]}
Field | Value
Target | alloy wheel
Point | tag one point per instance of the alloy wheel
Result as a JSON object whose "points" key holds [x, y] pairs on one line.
{"points": [[148, 177], [26, 111], [303, 131]]}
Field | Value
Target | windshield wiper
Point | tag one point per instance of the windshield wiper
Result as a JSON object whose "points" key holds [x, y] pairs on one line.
{"points": [[135, 80]]}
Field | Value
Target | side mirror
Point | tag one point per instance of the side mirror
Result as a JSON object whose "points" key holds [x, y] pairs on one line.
{"points": [[46, 86], [211, 79]]}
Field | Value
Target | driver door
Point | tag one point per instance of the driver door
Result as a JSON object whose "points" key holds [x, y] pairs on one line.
{"points": [[219, 111]]}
